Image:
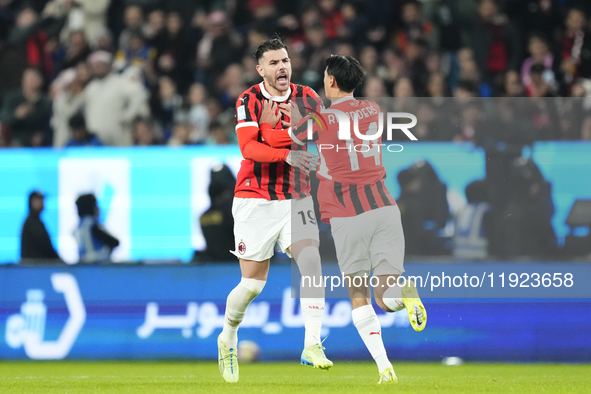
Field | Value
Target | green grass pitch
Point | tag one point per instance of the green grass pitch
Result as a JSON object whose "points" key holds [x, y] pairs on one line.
{"points": [[360, 378]]}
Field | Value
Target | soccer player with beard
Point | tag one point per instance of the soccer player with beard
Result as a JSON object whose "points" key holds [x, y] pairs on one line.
{"points": [[272, 187], [364, 218]]}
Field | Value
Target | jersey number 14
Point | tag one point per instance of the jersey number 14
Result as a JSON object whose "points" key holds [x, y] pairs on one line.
{"points": [[366, 149]]}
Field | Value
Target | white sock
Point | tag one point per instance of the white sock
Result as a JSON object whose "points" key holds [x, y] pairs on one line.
{"points": [[311, 294], [393, 298], [238, 301], [312, 309], [369, 329]]}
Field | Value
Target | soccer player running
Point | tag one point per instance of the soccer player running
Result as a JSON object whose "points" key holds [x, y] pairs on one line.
{"points": [[353, 198], [271, 184]]}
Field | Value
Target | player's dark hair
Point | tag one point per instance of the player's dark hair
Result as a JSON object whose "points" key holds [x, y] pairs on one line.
{"points": [[272, 44], [346, 70]]}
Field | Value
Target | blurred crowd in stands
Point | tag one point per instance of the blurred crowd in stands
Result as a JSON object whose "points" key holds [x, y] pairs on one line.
{"points": [[153, 72]]}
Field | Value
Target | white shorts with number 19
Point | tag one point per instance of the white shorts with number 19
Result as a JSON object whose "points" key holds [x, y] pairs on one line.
{"points": [[260, 223]]}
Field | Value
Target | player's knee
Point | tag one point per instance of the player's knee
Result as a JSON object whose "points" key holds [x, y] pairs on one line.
{"points": [[253, 286]]}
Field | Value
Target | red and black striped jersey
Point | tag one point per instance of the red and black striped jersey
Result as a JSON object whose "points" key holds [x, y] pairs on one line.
{"points": [[267, 175], [351, 172]]}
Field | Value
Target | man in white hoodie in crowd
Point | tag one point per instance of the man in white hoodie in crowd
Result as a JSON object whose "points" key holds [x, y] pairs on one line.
{"points": [[112, 102]]}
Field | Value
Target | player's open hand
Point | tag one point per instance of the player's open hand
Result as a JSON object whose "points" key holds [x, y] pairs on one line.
{"points": [[303, 160], [269, 114], [292, 111]]}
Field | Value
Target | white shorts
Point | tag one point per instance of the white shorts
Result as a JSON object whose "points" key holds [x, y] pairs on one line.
{"points": [[259, 224], [373, 240]]}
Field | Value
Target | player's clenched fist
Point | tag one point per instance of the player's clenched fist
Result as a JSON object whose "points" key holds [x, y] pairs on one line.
{"points": [[303, 160]]}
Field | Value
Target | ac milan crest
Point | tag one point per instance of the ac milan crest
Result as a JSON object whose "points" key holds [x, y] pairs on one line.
{"points": [[241, 248]]}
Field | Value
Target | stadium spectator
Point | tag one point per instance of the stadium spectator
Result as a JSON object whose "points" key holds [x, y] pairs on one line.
{"points": [[331, 18], [36, 246], [166, 105], [527, 220], [374, 88], [413, 26], [80, 135], [181, 135], [424, 208], [574, 49], [403, 88], [512, 86], [134, 21], [466, 89], [95, 243], [473, 224], [470, 117], [265, 19], [74, 52], [218, 136], [495, 42], [144, 134], [112, 101], [217, 49], [536, 16], [31, 34], [540, 54], [137, 53], [355, 25], [88, 17], [198, 114], [315, 53], [154, 30], [447, 25], [68, 99], [217, 223], [539, 85], [26, 112], [369, 60], [231, 85], [436, 86], [176, 52]]}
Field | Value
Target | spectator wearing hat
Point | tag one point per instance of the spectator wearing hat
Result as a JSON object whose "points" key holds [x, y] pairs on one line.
{"points": [[112, 102], [36, 246], [95, 244]]}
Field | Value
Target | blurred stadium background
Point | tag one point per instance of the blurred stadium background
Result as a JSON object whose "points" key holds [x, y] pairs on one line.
{"points": [[133, 101]]}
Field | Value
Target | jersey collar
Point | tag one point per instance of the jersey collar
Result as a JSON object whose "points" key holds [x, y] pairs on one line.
{"points": [[343, 99], [274, 98]]}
